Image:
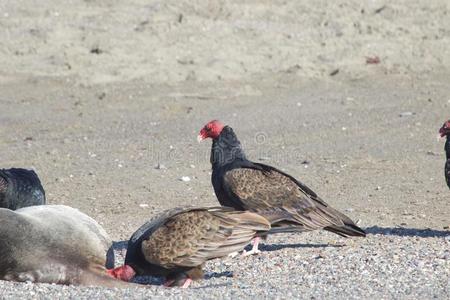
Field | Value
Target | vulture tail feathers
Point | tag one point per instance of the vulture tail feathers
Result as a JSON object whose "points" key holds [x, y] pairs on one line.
{"points": [[346, 230]]}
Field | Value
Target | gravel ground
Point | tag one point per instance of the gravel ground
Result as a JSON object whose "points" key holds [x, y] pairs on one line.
{"points": [[104, 99], [389, 263]]}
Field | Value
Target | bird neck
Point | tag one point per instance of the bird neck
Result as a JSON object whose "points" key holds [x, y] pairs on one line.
{"points": [[226, 148]]}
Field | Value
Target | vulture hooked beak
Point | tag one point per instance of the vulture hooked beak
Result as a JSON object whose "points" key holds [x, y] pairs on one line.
{"points": [[202, 135]]}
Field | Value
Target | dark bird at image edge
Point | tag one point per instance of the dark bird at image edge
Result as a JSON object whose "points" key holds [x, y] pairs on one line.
{"points": [[445, 132]]}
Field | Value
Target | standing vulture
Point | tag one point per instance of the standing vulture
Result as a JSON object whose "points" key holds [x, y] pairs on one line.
{"points": [[20, 188], [445, 131], [177, 243], [288, 204]]}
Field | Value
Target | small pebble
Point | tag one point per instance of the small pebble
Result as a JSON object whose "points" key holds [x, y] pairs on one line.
{"points": [[407, 114], [160, 167]]}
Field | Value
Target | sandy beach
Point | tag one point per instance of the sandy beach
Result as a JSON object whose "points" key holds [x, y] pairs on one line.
{"points": [[104, 99]]}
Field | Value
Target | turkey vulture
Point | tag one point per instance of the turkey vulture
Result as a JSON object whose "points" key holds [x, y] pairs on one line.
{"points": [[53, 244], [288, 204], [20, 188], [445, 131], [176, 243]]}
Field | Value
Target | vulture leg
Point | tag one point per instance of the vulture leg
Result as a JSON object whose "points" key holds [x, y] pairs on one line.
{"points": [[254, 250], [186, 283]]}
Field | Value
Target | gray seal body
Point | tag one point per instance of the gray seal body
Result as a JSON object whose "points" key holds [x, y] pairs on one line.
{"points": [[53, 244]]}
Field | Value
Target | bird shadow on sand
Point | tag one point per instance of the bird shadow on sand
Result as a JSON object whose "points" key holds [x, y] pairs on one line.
{"points": [[153, 280], [407, 232], [276, 247], [210, 275], [212, 286]]}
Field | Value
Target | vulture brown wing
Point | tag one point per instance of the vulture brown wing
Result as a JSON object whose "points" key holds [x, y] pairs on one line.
{"points": [[189, 239], [278, 196]]}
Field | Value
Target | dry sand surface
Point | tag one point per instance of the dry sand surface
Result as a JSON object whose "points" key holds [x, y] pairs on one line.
{"points": [[96, 94]]}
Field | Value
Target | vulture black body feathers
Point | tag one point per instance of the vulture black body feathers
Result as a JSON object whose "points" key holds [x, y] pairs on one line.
{"points": [[447, 163]]}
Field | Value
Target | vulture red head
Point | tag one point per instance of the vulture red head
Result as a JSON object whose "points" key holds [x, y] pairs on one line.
{"points": [[445, 129], [125, 272], [210, 130]]}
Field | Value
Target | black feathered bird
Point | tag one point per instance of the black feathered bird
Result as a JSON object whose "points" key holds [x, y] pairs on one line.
{"points": [[445, 132], [287, 203], [177, 242], [20, 188]]}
